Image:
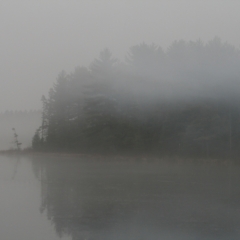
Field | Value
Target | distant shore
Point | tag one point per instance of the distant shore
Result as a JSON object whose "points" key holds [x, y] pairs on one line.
{"points": [[123, 158]]}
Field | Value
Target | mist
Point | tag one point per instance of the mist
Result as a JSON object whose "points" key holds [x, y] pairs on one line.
{"points": [[183, 101], [119, 119], [40, 39], [25, 124]]}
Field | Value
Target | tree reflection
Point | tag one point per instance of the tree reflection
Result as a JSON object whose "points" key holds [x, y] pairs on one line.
{"points": [[88, 199], [78, 201]]}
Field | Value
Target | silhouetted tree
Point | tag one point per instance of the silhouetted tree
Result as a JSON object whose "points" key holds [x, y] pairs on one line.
{"points": [[37, 141], [16, 142]]}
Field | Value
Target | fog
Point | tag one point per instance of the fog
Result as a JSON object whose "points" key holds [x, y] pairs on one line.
{"points": [[39, 39], [119, 119], [98, 70], [54, 197], [25, 124], [183, 101]]}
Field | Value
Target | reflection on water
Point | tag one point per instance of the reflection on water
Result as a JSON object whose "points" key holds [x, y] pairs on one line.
{"points": [[110, 200], [20, 199], [80, 199]]}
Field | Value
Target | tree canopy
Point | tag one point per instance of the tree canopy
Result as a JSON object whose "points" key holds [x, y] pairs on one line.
{"points": [[182, 101]]}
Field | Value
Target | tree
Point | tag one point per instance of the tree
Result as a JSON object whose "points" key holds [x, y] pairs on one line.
{"points": [[100, 117], [37, 142], [146, 60], [104, 63], [17, 143]]}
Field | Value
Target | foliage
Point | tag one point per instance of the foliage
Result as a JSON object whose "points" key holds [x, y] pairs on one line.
{"points": [[184, 101], [37, 141]]}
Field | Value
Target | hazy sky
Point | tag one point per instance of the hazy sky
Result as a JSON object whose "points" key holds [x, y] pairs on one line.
{"points": [[40, 38]]}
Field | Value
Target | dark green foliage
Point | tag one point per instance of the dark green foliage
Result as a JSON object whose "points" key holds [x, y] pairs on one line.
{"points": [[37, 141], [176, 102]]}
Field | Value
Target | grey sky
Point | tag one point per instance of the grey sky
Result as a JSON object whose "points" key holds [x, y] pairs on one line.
{"points": [[40, 38]]}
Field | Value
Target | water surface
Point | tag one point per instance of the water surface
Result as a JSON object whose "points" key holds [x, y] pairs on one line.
{"points": [[76, 198]]}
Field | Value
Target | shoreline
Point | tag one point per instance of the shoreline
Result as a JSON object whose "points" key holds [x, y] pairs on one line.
{"points": [[125, 157]]}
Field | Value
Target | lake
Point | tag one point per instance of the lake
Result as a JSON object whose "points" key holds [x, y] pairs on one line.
{"points": [[62, 197]]}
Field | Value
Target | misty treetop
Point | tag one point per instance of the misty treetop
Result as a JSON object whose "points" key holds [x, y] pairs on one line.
{"points": [[182, 101]]}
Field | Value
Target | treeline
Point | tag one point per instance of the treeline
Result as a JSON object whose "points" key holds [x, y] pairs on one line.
{"points": [[183, 101]]}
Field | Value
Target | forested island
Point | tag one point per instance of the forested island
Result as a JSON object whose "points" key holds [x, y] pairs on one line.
{"points": [[184, 101]]}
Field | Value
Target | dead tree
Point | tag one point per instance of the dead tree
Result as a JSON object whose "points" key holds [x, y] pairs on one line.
{"points": [[16, 142]]}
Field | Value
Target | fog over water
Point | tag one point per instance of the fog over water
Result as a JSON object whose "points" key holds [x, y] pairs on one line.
{"points": [[119, 120], [41, 38], [96, 196], [77, 198], [20, 202]]}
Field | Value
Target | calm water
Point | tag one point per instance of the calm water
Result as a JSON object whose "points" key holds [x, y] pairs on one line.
{"points": [[74, 198]]}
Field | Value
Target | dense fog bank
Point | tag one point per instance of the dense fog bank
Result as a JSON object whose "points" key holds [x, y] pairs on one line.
{"points": [[182, 101]]}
